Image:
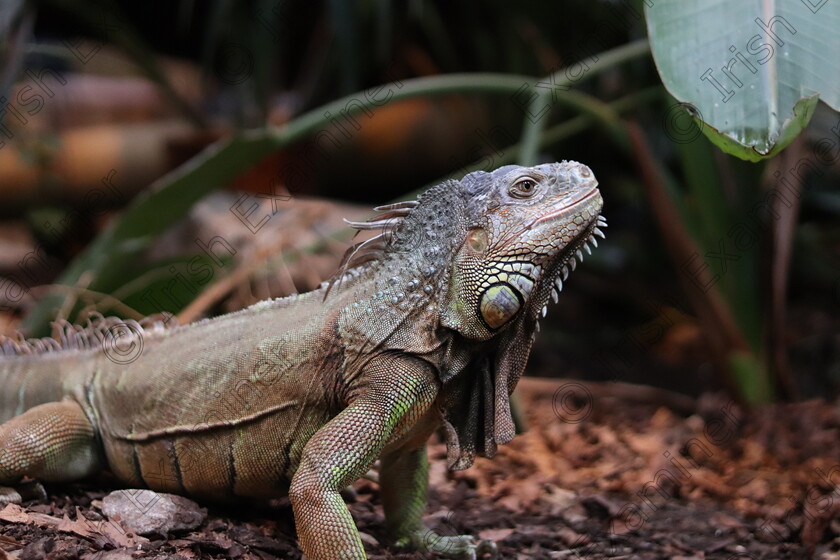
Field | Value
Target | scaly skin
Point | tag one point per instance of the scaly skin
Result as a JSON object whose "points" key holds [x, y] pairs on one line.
{"points": [[427, 326]]}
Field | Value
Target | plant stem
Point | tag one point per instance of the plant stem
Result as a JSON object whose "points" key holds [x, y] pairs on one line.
{"points": [[560, 79], [500, 84]]}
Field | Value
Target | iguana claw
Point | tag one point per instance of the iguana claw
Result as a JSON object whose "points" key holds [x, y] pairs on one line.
{"points": [[487, 547]]}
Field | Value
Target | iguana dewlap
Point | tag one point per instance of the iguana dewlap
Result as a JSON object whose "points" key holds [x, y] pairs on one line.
{"points": [[428, 325]]}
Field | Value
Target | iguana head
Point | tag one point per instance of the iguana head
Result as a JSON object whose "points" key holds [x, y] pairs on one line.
{"points": [[460, 277], [523, 229]]}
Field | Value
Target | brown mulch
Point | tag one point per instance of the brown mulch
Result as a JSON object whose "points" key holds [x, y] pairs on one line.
{"points": [[602, 471]]}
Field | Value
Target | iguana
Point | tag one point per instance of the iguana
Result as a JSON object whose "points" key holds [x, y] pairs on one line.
{"points": [[427, 325]]}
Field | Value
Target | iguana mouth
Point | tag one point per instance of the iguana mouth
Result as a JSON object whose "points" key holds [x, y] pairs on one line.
{"points": [[564, 209]]}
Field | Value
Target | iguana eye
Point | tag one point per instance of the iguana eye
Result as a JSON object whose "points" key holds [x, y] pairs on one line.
{"points": [[523, 188]]}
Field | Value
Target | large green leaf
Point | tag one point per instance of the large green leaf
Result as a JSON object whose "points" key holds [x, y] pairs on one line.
{"points": [[750, 69]]}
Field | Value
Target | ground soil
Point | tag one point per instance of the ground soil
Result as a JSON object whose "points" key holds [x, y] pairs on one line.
{"points": [[600, 471]]}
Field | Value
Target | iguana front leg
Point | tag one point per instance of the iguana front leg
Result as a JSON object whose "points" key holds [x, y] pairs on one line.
{"points": [[53, 442], [396, 392], [404, 480]]}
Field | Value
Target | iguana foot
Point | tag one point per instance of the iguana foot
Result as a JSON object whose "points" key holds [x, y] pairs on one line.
{"points": [[9, 495], [454, 547], [22, 492], [460, 547]]}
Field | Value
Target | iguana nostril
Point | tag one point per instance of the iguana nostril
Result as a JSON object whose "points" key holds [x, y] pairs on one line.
{"points": [[579, 174]]}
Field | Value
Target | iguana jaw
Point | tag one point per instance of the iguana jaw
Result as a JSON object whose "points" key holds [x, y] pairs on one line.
{"points": [[556, 271]]}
